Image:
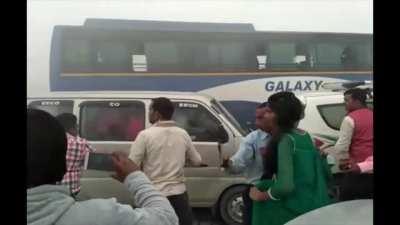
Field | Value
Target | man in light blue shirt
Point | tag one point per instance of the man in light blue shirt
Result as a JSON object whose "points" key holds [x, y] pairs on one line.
{"points": [[249, 159]]}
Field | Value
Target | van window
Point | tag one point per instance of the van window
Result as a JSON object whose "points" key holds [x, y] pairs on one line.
{"points": [[334, 114], [54, 107], [111, 120], [201, 125], [100, 161]]}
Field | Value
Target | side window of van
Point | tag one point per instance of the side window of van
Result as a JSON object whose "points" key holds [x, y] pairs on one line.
{"points": [[333, 114], [111, 120], [201, 125], [54, 107]]}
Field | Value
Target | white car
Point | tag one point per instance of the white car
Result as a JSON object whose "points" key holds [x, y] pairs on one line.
{"points": [[356, 212], [324, 113]]}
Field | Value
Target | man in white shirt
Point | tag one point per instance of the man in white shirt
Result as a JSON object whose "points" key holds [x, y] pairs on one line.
{"points": [[355, 147], [162, 152]]}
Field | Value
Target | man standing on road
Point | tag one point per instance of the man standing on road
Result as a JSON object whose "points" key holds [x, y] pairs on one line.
{"points": [[355, 147], [77, 150], [162, 152], [249, 159]]}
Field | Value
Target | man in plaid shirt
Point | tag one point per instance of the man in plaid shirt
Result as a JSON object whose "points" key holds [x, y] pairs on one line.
{"points": [[77, 149]]}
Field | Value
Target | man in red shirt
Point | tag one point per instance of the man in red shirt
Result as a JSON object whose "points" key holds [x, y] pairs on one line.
{"points": [[355, 147], [76, 152]]}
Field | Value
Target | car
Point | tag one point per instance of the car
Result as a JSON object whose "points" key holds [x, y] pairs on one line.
{"points": [[355, 212], [104, 118], [323, 115]]}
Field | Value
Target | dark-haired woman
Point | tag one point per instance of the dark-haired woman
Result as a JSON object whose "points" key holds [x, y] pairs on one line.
{"points": [[295, 177]]}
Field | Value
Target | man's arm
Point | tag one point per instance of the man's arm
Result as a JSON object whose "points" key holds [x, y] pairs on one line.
{"points": [[243, 157], [341, 148], [192, 155], [138, 149]]}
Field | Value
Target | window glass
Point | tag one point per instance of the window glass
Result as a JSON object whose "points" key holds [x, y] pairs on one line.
{"points": [[113, 56], [282, 55], [112, 120], [333, 114], [100, 161], [54, 107], [77, 56], [332, 55], [198, 122], [161, 56]]}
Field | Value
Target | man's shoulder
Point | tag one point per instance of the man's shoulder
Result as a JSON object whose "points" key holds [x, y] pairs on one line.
{"points": [[256, 134]]}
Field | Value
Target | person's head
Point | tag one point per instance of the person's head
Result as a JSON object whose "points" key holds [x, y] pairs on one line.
{"points": [[260, 111], [355, 99], [46, 149], [69, 122], [283, 112], [160, 109]]}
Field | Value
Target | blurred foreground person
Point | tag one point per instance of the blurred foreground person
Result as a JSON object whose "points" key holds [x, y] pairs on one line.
{"points": [[295, 180], [48, 203]]}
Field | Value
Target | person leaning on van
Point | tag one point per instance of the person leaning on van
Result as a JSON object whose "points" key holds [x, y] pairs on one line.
{"points": [[249, 159], [77, 150], [162, 151], [355, 147], [48, 203]]}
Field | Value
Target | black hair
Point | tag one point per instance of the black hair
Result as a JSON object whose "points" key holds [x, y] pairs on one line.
{"points": [[288, 110], [262, 105], [163, 106], [67, 120], [358, 94], [46, 149]]}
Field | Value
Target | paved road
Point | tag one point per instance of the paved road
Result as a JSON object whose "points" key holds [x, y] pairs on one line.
{"points": [[203, 216]]}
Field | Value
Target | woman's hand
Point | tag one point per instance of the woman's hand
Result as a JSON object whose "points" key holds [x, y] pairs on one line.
{"points": [[257, 195]]}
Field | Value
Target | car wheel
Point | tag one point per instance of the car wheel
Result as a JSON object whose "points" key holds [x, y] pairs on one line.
{"points": [[231, 206]]}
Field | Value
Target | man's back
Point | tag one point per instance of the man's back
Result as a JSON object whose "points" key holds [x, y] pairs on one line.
{"points": [[162, 151]]}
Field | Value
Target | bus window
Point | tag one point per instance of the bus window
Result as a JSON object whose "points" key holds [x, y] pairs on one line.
{"points": [[333, 55], [54, 107], [112, 120], [162, 56], [77, 56], [282, 55], [201, 125]]}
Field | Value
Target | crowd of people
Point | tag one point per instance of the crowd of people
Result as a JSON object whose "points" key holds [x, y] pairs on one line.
{"points": [[287, 175]]}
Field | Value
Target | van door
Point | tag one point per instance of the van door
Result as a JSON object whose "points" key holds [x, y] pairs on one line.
{"points": [[109, 126], [208, 134]]}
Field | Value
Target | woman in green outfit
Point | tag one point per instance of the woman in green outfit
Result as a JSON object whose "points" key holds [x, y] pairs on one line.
{"points": [[295, 178]]}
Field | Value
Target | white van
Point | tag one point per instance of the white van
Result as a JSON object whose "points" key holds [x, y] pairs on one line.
{"points": [[111, 121]]}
